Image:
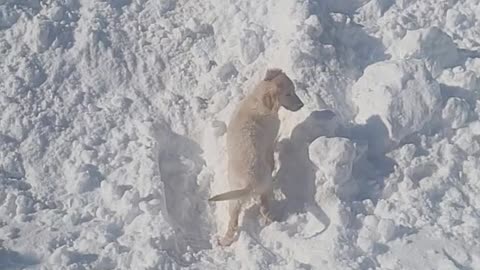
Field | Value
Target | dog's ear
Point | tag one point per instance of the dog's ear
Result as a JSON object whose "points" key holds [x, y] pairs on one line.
{"points": [[272, 73], [269, 99]]}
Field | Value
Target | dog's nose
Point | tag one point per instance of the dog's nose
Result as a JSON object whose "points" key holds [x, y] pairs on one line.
{"points": [[298, 107]]}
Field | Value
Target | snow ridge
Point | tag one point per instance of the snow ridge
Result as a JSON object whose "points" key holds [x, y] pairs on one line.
{"points": [[113, 115]]}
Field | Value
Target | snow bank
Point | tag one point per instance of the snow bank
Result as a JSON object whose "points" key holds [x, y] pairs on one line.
{"points": [[334, 158], [401, 93], [432, 45], [113, 115], [456, 112]]}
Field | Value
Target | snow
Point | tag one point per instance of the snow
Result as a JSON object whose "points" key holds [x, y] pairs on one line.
{"points": [[402, 93], [432, 45], [334, 157], [456, 112], [113, 117]]}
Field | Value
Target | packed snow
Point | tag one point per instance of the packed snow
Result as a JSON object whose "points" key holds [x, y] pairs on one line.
{"points": [[113, 117]]}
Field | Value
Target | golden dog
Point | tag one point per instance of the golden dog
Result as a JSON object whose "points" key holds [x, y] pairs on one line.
{"points": [[251, 136]]}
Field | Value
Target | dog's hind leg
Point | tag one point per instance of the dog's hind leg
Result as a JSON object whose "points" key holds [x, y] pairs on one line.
{"points": [[234, 211], [265, 208]]}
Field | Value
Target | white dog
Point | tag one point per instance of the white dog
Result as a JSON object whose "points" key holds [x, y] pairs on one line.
{"points": [[251, 136]]}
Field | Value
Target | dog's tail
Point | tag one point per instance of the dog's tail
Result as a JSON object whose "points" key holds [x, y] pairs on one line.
{"points": [[231, 195]]}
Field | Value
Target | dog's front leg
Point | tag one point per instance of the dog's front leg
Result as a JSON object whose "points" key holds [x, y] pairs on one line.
{"points": [[271, 158], [265, 196]]}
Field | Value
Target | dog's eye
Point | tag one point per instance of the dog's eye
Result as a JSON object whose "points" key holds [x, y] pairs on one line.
{"points": [[289, 95]]}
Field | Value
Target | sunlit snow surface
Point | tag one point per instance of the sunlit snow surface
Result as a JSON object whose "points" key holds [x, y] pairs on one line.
{"points": [[112, 122]]}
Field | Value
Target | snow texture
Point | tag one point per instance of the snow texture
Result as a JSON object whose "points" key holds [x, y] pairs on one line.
{"points": [[113, 117], [401, 93]]}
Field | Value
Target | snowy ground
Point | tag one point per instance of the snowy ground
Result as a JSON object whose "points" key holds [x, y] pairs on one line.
{"points": [[111, 133]]}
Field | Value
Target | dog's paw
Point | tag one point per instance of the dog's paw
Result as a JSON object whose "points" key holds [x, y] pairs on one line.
{"points": [[225, 241], [266, 219]]}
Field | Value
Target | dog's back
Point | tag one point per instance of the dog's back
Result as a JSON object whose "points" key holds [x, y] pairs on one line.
{"points": [[249, 134]]}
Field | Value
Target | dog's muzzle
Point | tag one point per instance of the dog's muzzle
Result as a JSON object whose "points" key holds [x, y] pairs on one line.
{"points": [[292, 103], [297, 107], [300, 105]]}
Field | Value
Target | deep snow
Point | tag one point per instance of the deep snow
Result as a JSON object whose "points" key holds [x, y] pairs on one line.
{"points": [[113, 114]]}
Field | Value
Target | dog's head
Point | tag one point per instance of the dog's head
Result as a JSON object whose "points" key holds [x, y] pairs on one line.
{"points": [[284, 92]]}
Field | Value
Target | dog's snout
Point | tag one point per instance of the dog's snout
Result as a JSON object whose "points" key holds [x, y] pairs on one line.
{"points": [[291, 102], [299, 106], [299, 103]]}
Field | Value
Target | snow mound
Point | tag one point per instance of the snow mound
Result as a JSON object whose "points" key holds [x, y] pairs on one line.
{"points": [[402, 93], [456, 112], [432, 45], [334, 158], [113, 119]]}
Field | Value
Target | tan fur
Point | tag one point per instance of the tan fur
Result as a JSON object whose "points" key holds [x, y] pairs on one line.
{"points": [[251, 136]]}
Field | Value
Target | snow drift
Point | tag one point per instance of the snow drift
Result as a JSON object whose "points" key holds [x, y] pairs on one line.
{"points": [[113, 115]]}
